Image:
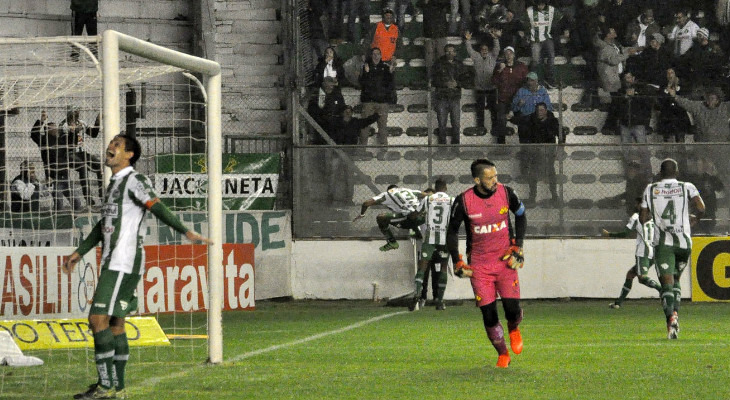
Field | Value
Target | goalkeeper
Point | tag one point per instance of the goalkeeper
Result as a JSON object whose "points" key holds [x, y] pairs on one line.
{"points": [[121, 231], [494, 252], [644, 257]]}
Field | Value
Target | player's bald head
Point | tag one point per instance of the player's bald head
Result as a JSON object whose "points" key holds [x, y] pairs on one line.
{"points": [[479, 165], [668, 168]]}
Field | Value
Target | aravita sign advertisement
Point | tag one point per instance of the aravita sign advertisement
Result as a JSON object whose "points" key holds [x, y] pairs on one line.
{"points": [[249, 180]]}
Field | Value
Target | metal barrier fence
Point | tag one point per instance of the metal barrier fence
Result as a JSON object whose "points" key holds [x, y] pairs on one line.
{"points": [[593, 187]]}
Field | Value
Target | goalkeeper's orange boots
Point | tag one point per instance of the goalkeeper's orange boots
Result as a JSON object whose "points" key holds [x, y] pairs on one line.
{"points": [[503, 361], [515, 341]]}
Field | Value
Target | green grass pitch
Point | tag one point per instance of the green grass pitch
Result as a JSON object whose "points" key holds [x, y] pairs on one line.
{"points": [[363, 350]]}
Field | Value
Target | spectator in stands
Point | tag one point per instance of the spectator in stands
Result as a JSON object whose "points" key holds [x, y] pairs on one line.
{"points": [[341, 174], [582, 39], [704, 62], [25, 190], [611, 60], [640, 31], [632, 108], [81, 158], [710, 116], [435, 29], [329, 66], [543, 18], [508, 78], [672, 120], [461, 8], [358, 10], [317, 37], [400, 7], [83, 15], [543, 127], [449, 76], [485, 61], [683, 33], [385, 37], [651, 64], [524, 103], [513, 33], [326, 108], [54, 148], [335, 12], [377, 93], [708, 183], [619, 13], [490, 15]]}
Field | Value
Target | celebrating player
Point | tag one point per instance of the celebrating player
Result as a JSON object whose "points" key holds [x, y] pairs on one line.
{"points": [[121, 232], [665, 209], [403, 204], [644, 257], [494, 252], [437, 208]]}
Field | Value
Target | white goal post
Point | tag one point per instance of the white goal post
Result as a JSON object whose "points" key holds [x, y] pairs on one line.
{"points": [[112, 44]]}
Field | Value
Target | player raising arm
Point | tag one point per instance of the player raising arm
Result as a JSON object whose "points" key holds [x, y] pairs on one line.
{"points": [[121, 231], [403, 204], [665, 215], [494, 252], [644, 256]]}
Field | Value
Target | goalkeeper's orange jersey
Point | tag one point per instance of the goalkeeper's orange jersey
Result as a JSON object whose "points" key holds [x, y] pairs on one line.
{"points": [[385, 39], [488, 222]]}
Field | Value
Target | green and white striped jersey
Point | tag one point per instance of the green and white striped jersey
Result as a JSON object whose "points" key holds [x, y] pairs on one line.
{"points": [[123, 217], [668, 203], [438, 211], [399, 200], [641, 249]]}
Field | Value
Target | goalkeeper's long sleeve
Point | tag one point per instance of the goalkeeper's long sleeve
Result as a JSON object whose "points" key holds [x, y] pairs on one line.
{"points": [[91, 240], [165, 215]]}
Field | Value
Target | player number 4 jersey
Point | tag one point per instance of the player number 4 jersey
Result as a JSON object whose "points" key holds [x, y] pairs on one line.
{"points": [[438, 210], [123, 225], [668, 203]]}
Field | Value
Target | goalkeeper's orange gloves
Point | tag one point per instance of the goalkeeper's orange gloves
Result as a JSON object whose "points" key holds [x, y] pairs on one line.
{"points": [[462, 269], [514, 257]]}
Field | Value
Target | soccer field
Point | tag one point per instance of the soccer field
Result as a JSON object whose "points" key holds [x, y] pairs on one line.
{"points": [[363, 350]]}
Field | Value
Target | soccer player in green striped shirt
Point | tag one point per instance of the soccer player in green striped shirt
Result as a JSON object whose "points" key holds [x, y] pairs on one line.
{"points": [[403, 204], [665, 214], [121, 231], [437, 208], [644, 256]]}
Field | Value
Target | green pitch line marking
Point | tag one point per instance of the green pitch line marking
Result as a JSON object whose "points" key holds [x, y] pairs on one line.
{"points": [[154, 381]]}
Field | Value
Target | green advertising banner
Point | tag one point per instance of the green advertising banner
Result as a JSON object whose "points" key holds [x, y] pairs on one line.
{"points": [[249, 181]]}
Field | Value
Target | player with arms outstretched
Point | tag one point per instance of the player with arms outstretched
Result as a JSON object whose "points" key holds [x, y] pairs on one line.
{"points": [[437, 208], [644, 257], [121, 231], [494, 252], [403, 204], [665, 214]]}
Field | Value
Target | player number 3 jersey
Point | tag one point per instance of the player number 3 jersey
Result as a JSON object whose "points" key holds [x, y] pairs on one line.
{"points": [[123, 225], [668, 203], [438, 210]]}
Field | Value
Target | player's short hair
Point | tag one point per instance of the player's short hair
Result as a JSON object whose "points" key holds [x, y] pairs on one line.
{"points": [[392, 187], [541, 104], [440, 185], [479, 165], [428, 190], [668, 168], [131, 144]]}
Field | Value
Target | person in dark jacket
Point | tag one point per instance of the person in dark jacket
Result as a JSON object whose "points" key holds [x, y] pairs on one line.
{"points": [[632, 109], [331, 66], [650, 66], [377, 93], [543, 128], [25, 190], [83, 14], [435, 29], [449, 76], [326, 107]]}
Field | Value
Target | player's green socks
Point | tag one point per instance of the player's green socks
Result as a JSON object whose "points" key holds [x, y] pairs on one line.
{"points": [[668, 299], [646, 281], [443, 279], [104, 356], [121, 355], [624, 291], [677, 295], [419, 282]]}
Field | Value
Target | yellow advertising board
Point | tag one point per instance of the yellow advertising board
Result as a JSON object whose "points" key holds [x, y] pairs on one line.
{"points": [[710, 269], [75, 333]]}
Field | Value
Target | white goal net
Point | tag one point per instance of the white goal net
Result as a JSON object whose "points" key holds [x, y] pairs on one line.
{"points": [[62, 99]]}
